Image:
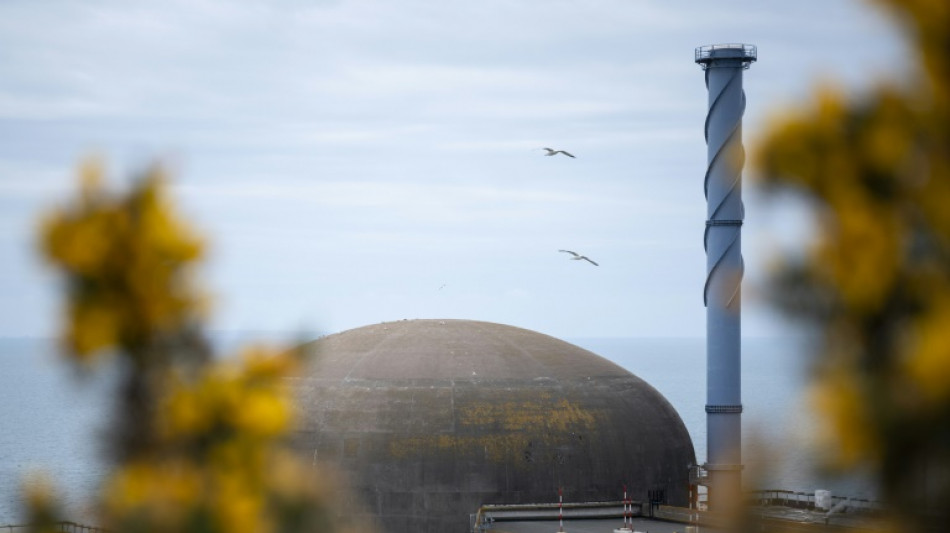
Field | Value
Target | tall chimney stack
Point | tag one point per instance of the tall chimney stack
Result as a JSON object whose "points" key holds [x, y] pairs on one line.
{"points": [[723, 65]]}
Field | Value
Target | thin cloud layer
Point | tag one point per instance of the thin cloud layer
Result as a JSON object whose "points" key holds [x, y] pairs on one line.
{"points": [[346, 158]]}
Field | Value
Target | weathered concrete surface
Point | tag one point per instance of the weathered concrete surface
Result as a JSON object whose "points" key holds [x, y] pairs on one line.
{"points": [[433, 418]]}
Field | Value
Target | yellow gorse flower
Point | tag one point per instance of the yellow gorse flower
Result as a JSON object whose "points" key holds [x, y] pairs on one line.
{"points": [[201, 443], [126, 262], [219, 460], [876, 280], [248, 399]]}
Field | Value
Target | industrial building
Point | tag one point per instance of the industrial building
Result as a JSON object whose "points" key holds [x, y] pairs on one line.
{"points": [[432, 419]]}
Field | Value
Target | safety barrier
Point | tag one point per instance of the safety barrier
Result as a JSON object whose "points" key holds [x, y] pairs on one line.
{"points": [[64, 526], [489, 514], [806, 500]]}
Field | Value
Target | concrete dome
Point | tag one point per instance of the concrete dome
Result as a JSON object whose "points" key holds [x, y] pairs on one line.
{"points": [[433, 418]]}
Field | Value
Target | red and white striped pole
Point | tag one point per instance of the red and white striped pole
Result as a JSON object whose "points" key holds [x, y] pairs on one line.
{"points": [[625, 507], [560, 510], [626, 528]]}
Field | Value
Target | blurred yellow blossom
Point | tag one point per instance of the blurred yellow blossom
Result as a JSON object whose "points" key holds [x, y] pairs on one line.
{"points": [[876, 280], [199, 445], [126, 261], [249, 399], [43, 510], [928, 363], [844, 425]]}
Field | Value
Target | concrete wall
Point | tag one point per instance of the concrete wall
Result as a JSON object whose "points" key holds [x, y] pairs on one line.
{"points": [[496, 415]]}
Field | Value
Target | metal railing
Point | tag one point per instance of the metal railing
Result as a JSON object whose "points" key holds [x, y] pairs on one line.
{"points": [[806, 500], [64, 526], [687, 516], [487, 515], [747, 52]]}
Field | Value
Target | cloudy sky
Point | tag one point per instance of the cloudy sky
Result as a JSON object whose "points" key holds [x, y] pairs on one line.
{"points": [[353, 162]]}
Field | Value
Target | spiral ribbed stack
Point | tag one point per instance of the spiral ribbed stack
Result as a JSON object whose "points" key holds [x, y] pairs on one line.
{"points": [[723, 65]]}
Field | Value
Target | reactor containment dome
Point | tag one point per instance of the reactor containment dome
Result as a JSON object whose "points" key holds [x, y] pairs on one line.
{"points": [[433, 418]]}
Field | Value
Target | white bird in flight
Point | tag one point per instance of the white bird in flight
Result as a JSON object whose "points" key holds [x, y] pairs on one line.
{"points": [[552, 151], [578, 257]]}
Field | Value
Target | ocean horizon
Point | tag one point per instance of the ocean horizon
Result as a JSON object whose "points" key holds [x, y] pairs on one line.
{"points": [[53, 416]]}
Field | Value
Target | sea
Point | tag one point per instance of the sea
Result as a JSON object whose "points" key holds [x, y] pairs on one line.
{"points": [[53, 417]]}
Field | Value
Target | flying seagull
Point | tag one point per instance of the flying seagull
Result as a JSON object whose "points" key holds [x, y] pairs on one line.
{"points": [[552, 151], [578, 257]]}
